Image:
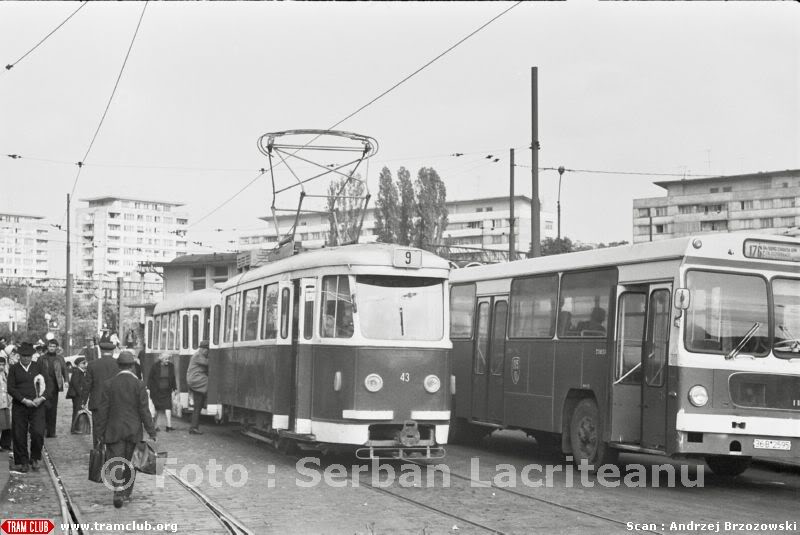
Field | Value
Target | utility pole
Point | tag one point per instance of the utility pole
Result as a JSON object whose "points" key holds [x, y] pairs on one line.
{"points": [[119, 308], [511, 211], [558, 203], [536, 246], [68, 321]]}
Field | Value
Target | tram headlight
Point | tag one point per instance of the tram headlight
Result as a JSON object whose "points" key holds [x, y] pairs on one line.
{"points": [[373, 382], [432, 384], [698, 395]]}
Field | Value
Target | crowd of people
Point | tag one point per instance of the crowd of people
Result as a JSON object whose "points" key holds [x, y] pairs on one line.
{"points": [[106, 380]]}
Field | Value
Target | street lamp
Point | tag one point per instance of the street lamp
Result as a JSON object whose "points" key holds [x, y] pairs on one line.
{"points": [[558, 203]]}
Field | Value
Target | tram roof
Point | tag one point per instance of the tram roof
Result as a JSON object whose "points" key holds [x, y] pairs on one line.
{"points": [[365, 254], [714, 246], [196, 299]]}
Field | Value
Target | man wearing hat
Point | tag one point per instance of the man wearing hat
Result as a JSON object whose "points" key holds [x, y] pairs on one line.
{"points": [[197, 381], [28, 387], [55, 368], [100, 370], [122, 413]]}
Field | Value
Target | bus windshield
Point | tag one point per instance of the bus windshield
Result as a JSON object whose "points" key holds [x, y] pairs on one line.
{"points": [[727, 311], [400, 308], [786, 296]]}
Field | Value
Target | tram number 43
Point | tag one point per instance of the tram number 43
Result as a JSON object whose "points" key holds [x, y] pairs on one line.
{"points": [[405, 377]]}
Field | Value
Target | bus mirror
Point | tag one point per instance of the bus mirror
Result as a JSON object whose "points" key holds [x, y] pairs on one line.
{"points": [[682, 298]]}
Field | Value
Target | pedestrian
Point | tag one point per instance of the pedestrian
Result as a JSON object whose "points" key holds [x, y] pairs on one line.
{"points": [[54, 367], [28, 387], [91, 351], [161, 382], [122, 413], [5, 408], [197, 381], [99, 371], [78, 390]]}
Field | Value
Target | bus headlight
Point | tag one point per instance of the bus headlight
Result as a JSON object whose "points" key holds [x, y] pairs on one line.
{"points": [[432, 384], [373, 382], [698, 395]]}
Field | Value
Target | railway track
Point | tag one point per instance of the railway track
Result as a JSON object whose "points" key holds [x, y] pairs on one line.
{"points": [[72, 519]]}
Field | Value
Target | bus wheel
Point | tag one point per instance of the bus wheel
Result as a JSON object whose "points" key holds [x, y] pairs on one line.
{"points": [[728, 465], [585, 436]]}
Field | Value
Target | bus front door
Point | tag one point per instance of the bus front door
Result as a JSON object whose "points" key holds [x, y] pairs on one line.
{"points": [[488, 359], [654, 367]]}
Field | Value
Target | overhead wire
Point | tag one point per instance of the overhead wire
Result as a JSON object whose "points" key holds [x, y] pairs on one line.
{"points": [[108, 104], [13, 64]]}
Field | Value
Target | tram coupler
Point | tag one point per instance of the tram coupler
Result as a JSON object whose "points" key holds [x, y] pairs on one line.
{"points": [[409, 435]]}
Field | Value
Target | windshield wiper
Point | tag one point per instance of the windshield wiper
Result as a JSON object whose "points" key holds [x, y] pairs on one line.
{"points": [[736, 350], [792, 344]]}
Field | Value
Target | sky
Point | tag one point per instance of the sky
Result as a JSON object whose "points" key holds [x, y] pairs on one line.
{"points": [[684, 88]]}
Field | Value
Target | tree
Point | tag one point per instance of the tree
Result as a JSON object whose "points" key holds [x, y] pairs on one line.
{"points": [[431, 210], [408, 207], [552, 246], [387, 210], [345, 209]]}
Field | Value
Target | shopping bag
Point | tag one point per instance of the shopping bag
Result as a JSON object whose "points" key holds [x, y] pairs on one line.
{"points": [[97, 457], [147, 459], [82, 424], [177, 408]]}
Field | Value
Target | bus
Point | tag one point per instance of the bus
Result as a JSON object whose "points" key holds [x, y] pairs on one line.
{"points": [[338, 348], [685, 348], [177, 326]]}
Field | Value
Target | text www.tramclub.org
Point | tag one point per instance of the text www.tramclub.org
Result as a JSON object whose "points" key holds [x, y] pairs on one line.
{"points": [[121, 526]]}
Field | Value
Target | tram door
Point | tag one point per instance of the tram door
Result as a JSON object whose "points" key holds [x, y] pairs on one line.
{"points": [[654, 367], [488, 359]]}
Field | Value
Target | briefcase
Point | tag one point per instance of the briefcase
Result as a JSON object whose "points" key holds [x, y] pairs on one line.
{"points": [[97, 458]]}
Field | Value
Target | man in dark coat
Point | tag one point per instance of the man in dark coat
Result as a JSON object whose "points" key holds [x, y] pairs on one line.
{"points": [[55, 369], [100, 371], [122, 413], [27, 385], [78, 390]]}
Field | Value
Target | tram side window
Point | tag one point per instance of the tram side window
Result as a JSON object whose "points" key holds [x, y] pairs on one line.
{"points": [[164, 329], [286, 307], [270, 314], [217, 322], [206, 324], [584, 303], [630, 333], [232, 318], [336, 319], [252, 302], [185, 331], [173, 320], [156, 332], [149, 333], [462, 310], [533, 307], [195, 330]]}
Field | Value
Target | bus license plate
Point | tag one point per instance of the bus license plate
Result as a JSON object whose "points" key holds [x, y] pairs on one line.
{"points": [[762, 444], [407, 258]]}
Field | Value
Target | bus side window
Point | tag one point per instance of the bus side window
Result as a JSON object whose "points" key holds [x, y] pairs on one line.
{"points": [[585, 297], [462, 310]]}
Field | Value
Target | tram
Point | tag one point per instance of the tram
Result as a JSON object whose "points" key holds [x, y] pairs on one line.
{"points": [[341, 346], [176, 327], [686, 348]]}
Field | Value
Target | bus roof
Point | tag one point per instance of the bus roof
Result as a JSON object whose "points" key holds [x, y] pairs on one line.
{"points": [[196, 299], [367, 254], [723, 245]]}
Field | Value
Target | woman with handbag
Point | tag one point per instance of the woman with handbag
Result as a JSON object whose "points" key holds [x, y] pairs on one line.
{"points": [[161, 382]]}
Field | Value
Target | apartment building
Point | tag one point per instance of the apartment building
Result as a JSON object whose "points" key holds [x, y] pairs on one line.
{"points": [[476, 223], [23, 246], [117, 233], [760, 202]]}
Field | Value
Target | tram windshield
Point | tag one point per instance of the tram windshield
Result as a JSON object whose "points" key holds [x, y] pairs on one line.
{"points": [[400, 308], [728, 314], [786, 298]]}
